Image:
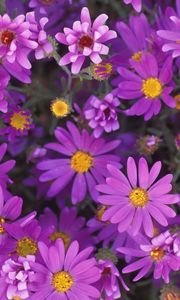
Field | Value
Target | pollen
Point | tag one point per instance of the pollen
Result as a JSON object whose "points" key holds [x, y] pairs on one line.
{"points": [[20, 120], [7, 37], [61, 235], [62, 281], [26, 246], [152, 88], [137, 56], [2, 221], [99, 213], [157, 254], [139, 197], [85, 41], [16, 298], [102, 71], [60, 108], [81, 162]]}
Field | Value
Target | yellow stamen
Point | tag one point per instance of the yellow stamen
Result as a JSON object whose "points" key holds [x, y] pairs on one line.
{"points": [[26, 246], [157, 254], [81, 161], [137, 56], [2, 221], [60, 108], [152, 88], [62, 281], [57, 234], [16, 298], [139, 197], [101, 71], [19, 120], [177, 100]]}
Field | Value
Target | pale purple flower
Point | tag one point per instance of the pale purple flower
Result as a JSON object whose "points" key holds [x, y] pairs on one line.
{"points": [[15, 278], [81, 161], [39, 35], [102, 114], [85, 40], [15, 45], [136, 200], [171, 37], [65, 275], [108, 284], [137, 4], [157, 255]]}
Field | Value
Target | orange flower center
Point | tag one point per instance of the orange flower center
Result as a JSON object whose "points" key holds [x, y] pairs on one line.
{"points": [[157, 254], [7, 37]]}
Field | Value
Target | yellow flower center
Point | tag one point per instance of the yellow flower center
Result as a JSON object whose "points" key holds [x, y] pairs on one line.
{"points": [[157, 254], [2, 221], [172, 296], [139, 197], [81, 162], [62, 281], [57, 234], [19, 120], [16, 298], [60, 108], [152, 88], [101, 71], [26, 246], [177, 100], [137, 56]]}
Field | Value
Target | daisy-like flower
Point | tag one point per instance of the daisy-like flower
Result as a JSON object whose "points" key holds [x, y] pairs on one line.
{"points": [[101, 71], [136, 4], [85, 40], [148, 84], [10, 210], [15, 44], [67, 275], [15, 278], [82, 159], [68, 227], [171, 37], [137, 200], [5, 167], [60, 108], [18, 122], [102, 114], [157, 256]]}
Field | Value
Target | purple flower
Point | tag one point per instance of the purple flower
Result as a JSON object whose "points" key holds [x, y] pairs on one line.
{"points": [[44, 47], [5, 167], [4, 80], [9, 211], [172, 37], [102, 114], [68, 227], [19, 123], [137, 200], [157, 255], [108, 284], [85, 39], [15, 278], [67, 275], [148, 85], [84, 162], [16, 44], [137, 4]]}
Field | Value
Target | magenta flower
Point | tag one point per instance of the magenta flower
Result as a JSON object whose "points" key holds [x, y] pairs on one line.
{"points": [[171, 37], [137, 4], [18, 122], [9, 211], [137, 200], [102, 114], [15, 278], [148, 84], [108, 284], [157, 256], [4, 80], [67, 275], [5, 167], [16, 44], [82, 159], [85, 39], [39, 35], [68, 227]]}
